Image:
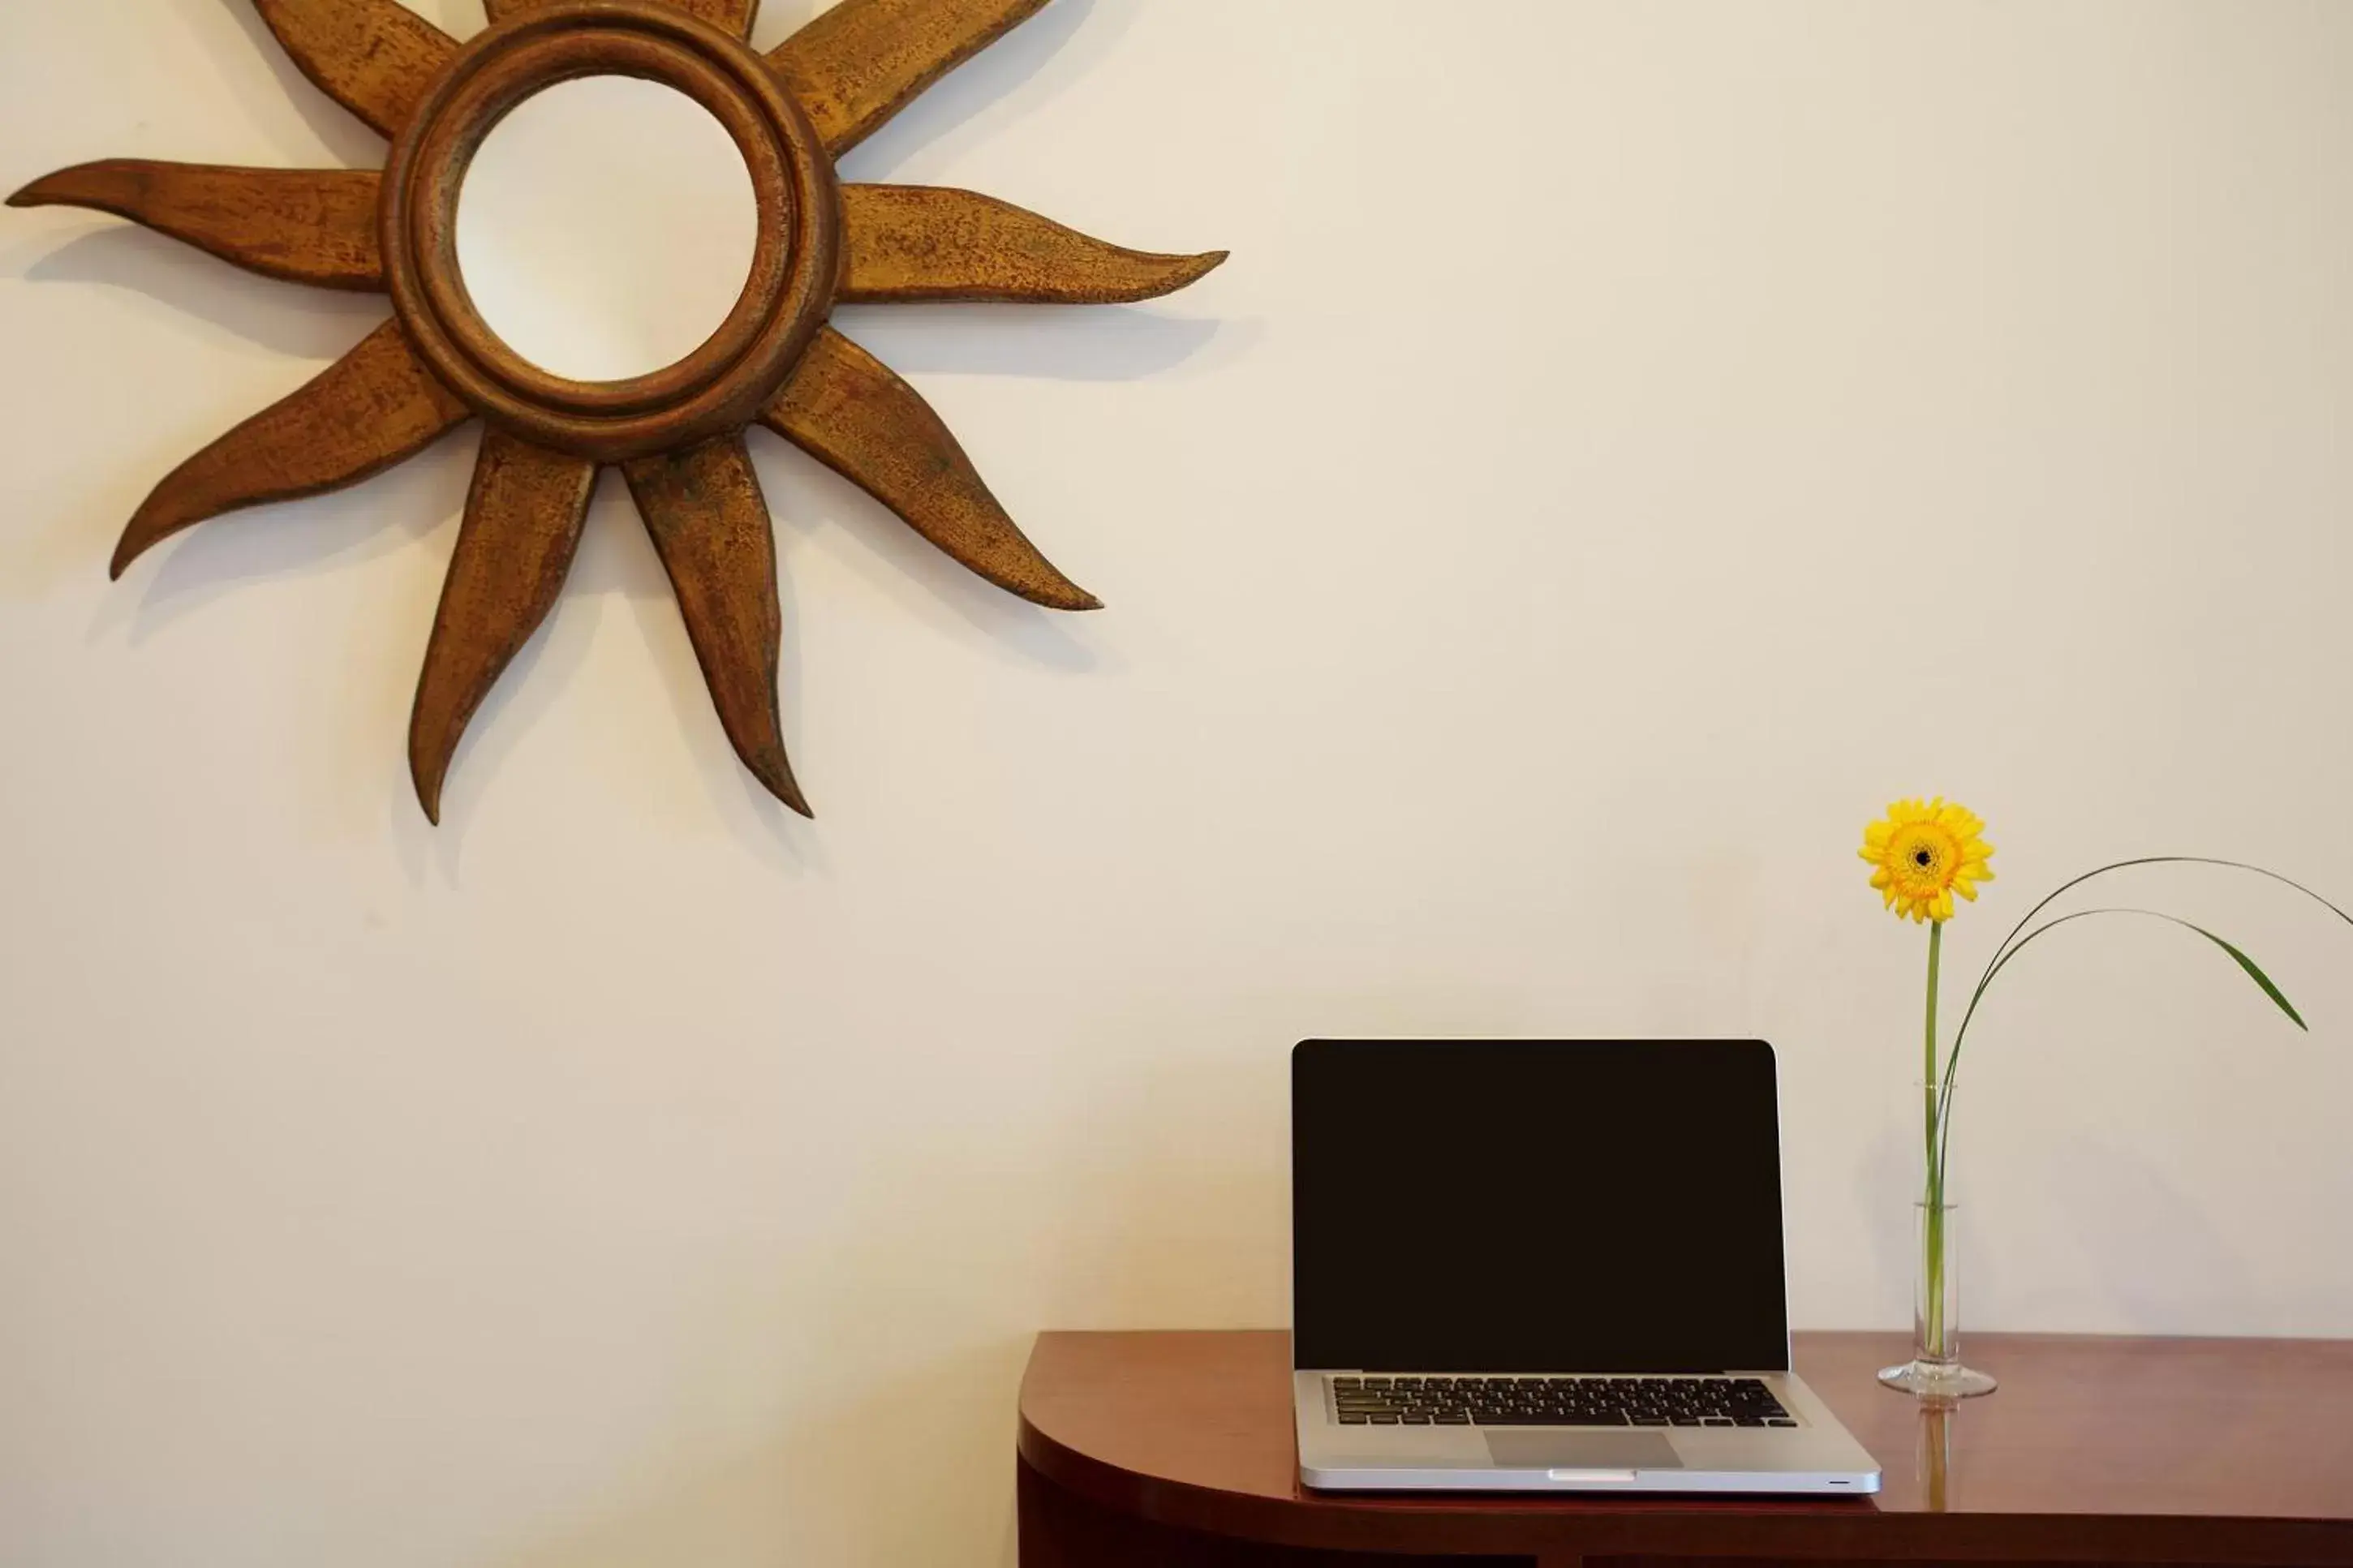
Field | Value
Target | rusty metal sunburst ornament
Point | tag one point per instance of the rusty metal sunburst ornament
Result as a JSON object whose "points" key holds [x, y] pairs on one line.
{"points": [[678, 433]]}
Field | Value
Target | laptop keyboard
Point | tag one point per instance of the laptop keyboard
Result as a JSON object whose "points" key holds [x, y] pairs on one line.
{"points": [[1556, 1402]]}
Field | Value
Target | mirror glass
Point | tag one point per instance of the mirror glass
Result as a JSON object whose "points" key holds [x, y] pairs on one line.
{"points": [[605, 228]]}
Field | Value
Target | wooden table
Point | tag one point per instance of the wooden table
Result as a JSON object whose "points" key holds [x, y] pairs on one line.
{"points": [[1170, 1450]]}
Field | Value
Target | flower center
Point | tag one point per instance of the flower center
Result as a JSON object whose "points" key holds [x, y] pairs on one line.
{"points": [[1923, 858]]}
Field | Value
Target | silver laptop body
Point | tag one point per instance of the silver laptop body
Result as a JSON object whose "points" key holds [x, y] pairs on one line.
{"points": [[1547, 1265]]}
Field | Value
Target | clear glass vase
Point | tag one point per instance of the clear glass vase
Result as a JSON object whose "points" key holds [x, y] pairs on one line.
{"points": [[1935, 1371]]}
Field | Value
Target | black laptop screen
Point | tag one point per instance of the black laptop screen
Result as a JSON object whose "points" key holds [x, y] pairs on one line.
{"points": [[1524, 1206]]}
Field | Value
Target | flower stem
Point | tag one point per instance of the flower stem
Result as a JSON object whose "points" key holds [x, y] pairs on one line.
{"points": [[1928, 1060], [1931, 1230]]}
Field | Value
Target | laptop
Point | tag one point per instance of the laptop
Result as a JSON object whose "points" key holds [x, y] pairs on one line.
{"points": [[1550, 1266]]}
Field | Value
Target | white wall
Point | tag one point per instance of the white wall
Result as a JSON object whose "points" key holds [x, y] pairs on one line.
{"points": [[1633, 442]]}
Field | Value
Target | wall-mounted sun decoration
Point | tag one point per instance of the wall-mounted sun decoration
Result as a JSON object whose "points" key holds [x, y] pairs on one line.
{"points": [[677, 435]]}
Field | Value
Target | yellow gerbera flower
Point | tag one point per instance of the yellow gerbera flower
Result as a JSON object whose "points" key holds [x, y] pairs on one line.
{"points": [[1924, 852]]}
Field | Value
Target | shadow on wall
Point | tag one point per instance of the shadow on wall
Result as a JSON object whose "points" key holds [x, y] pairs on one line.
{"points": [[1167, 1207], [617, 562], [177, 285], [2120, 1202], [320, 324], [878, 1367], [1055, 343], [2111, 1203], [753, 1508], [1889, 1183]]}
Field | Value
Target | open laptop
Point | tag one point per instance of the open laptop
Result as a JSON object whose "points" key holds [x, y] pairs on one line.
{"points": [[1526, 1266]]}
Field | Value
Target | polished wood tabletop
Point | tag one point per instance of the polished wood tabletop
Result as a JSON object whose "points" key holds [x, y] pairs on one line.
{"points": [[2095, 1450]]}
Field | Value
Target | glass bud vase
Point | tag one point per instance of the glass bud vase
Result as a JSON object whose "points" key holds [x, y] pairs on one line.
{"points": [[1935, 1371]]}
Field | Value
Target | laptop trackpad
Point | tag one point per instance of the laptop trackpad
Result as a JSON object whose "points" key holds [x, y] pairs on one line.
{"points": [[1582, 1451]]}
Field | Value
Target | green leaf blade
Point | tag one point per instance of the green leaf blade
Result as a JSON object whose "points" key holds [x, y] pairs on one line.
{"points": [[2255, 974]]}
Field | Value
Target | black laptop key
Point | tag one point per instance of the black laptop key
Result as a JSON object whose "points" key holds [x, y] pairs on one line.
{"points": [[1779, 1421], [1745, 1419]]}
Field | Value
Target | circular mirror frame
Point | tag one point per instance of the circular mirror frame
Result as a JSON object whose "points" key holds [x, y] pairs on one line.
{"points": [[796, 266], [606, 227]]}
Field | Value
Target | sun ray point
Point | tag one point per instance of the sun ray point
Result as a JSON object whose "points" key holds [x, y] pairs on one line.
{"points": [[711, 527], [852, 413], [910, 243], [523, 519], [856, 65], [365, 413], [299, 226]]}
